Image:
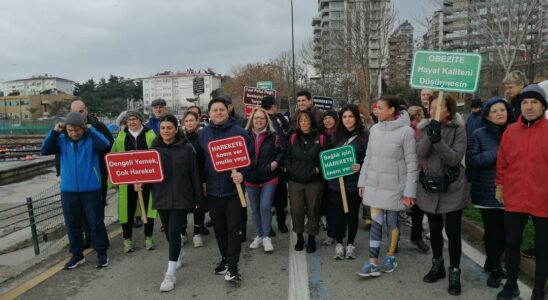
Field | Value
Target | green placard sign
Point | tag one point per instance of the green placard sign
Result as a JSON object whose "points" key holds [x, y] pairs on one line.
{"points": [[267, 85], [337, 162], [446, 71]]}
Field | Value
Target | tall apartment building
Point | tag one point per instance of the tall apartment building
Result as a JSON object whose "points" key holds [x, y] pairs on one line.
{"points": [[336, 29], [400, 51], [177, 89], [37, 84], [433, 38]]}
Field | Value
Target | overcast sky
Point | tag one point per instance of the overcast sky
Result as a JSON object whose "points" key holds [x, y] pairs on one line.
{"points": [[79, 40]]}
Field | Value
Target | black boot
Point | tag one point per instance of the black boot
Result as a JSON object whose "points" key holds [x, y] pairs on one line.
{"points": [[299, 246], [538, 295], [311, 245], [495, 277], [454, 281], [437, 272], [509, 291]]}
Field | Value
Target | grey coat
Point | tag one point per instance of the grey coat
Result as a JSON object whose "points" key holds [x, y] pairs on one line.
{"points": [[389, 170], [435, 160]]}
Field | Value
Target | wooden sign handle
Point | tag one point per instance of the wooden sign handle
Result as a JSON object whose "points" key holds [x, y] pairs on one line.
{"points": [[240, 191], [343, 195], [438, 106], [142, 205]]}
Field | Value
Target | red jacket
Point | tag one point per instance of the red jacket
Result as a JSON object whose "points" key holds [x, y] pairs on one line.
{"points": [[522, 168]]}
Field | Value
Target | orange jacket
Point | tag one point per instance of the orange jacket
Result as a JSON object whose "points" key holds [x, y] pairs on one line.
{"points": [[522, 168]]}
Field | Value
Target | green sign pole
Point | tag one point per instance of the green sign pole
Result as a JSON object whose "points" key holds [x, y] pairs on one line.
{"points": [[337, 163]]}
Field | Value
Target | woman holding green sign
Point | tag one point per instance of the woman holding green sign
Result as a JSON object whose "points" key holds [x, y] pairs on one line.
{"points": [[349, 131], [388, 179]]}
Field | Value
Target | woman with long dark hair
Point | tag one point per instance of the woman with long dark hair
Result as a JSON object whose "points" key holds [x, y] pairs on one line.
{"points": [[349, 131]]}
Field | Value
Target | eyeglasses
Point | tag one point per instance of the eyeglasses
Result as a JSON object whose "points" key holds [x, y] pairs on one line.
{"points": [[132, 119], [259, 118]]}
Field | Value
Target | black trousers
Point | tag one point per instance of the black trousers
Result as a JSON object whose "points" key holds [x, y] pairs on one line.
{"points": [[452, 229], [132, 200], [416, 223], [173, 219], [341, 221], [280, 198], [226, 216], [514, 224], [495, 236]]}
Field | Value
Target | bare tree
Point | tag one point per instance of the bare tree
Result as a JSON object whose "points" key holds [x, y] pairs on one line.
{"points": [[503, 25]]}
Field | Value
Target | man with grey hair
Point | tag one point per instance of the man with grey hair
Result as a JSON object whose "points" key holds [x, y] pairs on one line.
{"points": [[514, 82], [425, 101]]}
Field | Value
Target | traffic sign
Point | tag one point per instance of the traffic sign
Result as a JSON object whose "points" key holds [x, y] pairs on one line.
{"points": [[198, 85], [134, 167], [254, 96], [323, 103], [228, 154], [445, 71], [267, 85], [337, 162]]}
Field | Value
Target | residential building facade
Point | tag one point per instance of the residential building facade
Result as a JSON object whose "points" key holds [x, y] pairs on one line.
{"points": [[36, 85], [400, 51]]}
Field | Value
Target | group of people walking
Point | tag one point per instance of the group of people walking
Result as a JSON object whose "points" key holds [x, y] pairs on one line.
{"points": [[412, 160]]}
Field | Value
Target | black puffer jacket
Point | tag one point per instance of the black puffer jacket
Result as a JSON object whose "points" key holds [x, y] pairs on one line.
{"points": [[302, 156], [360, 147], [268, 149], [181, 188]]}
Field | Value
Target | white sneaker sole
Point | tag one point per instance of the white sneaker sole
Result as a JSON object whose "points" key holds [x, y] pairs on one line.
{"points": [[372, 274], [82, 261]]}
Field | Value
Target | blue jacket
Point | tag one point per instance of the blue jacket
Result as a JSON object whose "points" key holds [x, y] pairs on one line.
{"points": [[220, 184], [474, 122], [154, 124], [80, 170], [481, 157]]}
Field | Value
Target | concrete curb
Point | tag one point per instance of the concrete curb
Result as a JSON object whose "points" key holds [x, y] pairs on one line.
{"points": [[527, 265]]}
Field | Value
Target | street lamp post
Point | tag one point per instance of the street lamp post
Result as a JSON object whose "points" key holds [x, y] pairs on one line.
{"points": [[293, 56]]}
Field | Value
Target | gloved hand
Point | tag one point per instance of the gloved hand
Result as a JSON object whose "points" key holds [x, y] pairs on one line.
{"points": [[499, 194], [433, 130]]}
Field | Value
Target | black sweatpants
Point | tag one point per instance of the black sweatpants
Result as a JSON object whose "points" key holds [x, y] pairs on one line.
{"points": [[132, 203], [493, 223], [514, 223], [452, 229], [280, 198], [226, 216], [416, 223], [340, 220], [173, 219]]}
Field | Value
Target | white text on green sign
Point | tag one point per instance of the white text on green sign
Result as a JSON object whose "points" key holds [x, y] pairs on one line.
{"points": [[449, 71], [337, 162]]}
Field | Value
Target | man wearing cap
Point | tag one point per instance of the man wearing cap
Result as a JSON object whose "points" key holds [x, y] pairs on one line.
{"points": [[522, 168], [474, 120], [158, 111], [79, 147]]}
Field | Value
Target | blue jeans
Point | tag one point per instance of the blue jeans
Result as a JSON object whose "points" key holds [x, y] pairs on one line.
{"points": [[75, 205], [260, 200]]}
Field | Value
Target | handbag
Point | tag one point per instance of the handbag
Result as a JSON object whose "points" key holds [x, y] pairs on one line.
{"points": [[440, 184]]}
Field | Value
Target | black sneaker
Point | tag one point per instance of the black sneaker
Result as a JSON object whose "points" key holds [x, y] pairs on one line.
{"points": [[233, 276], [102, 260], [208, 224], [529, 253], [222, 268], [204, 230], [75, 261], [509, 291], [421, 245], [282, 227], [272, 233], [495, 278]]}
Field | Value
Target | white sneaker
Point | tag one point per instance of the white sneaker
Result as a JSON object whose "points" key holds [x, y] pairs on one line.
{"points": [[257, 242], [168, 284], [180, 259], [339, 252], [197, 240], [267, 245], [184, 239], [350, 251]]}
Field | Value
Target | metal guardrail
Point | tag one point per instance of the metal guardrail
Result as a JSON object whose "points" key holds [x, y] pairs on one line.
{"points": [[41, 213]]}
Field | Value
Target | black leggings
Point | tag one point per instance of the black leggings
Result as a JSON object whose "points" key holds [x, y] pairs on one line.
{"points": [[514, 223], [173, 219], [132, 200], [452, 229], [493, 222], [416, 223], [342, 221]]}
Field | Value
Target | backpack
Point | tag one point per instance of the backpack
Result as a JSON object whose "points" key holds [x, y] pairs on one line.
{"points": [[294, 136]]}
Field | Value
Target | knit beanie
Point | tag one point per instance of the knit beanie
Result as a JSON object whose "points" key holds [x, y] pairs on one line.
{"points": [[135, 114], [74, 118]]}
